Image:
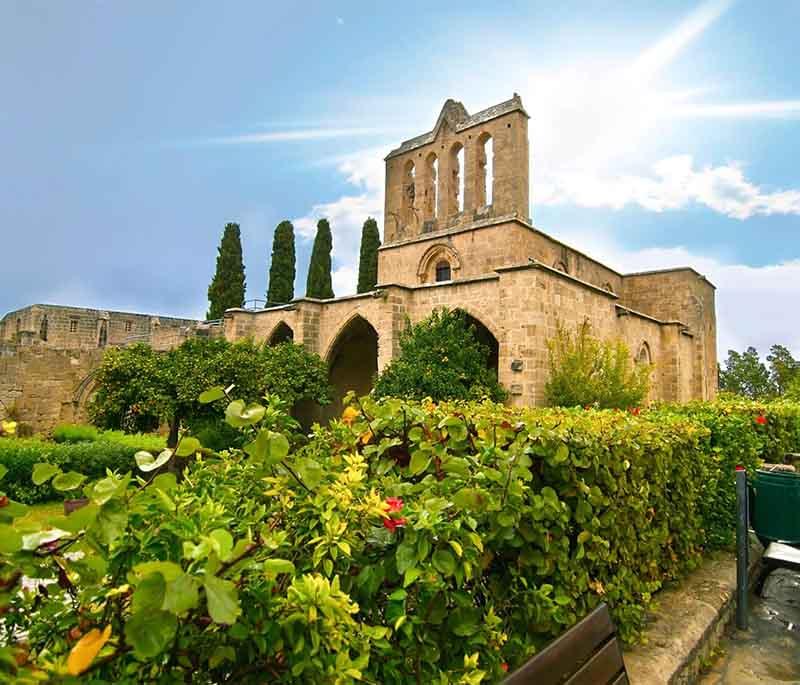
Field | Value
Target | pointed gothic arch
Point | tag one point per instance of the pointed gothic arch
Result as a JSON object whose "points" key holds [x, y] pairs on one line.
{"points": [[280, 334], [352, 360], [485, 336]]}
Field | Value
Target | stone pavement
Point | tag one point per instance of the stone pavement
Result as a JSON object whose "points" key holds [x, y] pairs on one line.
{"points": [[769, 652]]}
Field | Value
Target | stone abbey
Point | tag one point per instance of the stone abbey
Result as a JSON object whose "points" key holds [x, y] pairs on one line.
{"points": [[457, 234]]}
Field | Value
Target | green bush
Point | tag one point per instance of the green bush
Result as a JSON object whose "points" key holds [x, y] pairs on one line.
{"points": [[70, 432], [587, 371], [112, 450], [440, 358]]}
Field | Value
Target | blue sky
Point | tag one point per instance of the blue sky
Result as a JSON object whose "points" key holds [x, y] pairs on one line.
{"points": [[662, 134]]}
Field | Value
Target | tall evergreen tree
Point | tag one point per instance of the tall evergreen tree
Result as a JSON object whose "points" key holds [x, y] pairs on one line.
{"points": [[319, 283], [282, 265], [228, 285], [368, 259]]}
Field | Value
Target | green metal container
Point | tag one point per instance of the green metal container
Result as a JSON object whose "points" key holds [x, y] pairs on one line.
{"points": [[775, 506]]}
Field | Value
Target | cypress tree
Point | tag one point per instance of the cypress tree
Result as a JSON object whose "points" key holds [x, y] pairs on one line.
{"points": [[368, 259], [228, 285], [282, 265], [319, 283]]}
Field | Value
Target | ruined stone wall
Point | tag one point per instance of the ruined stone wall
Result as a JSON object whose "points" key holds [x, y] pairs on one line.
{"points": [[521, 307], [483, 248], [686, 296], [42, 383], [422, 197], [73, 328]]}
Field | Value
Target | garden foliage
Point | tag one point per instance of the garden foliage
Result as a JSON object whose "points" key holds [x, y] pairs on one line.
{"points": [[587, 371], [111, 450], [409, 542], [441, 358], [72, 432], [139, 388]]}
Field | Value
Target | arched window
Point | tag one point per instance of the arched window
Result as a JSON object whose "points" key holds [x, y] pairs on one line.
{"points": [[43, 328], [643, 357], [19, 327], [443, 271], [102, 338], [431, 187], [485, 179], [409, 190], [456, 197]]}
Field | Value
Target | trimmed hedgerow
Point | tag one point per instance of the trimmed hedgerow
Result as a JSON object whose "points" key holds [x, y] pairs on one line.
{"points": [[740, 432], [112, 450], [407, 542]]}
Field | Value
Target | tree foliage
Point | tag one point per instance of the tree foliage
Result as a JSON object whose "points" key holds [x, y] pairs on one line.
{"points": [[282, 265], [138, 388], [441, 358], [368, 257], [227, 288], [746, 375], [410, 542], [784, 369], [319, 284], [585, 370]]}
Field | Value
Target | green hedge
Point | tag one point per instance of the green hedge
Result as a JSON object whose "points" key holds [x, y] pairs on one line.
{"points": [[740, 431], [111, 450]]}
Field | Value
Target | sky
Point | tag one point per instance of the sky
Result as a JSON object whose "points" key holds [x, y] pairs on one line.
{"points": [[662, 134]]}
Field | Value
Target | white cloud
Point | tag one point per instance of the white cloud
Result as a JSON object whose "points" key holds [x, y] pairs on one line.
{"points": [[294, 135], [769, 108], [674, 184], [346, 215]]}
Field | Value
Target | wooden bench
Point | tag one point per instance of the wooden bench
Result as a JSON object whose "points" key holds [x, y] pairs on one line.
{"points": [[587, 654]]}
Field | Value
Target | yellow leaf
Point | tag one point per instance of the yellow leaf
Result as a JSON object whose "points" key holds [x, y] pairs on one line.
{"points": [[366, 437], [349, 415], [86, 649], [456, 547], [8, 427]]}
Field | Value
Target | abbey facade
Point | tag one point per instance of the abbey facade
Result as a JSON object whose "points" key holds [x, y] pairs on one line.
{"points": [[457, 234]]}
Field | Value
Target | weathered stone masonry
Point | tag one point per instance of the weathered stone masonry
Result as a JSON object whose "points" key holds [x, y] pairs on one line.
{"points": [[446, 244]]}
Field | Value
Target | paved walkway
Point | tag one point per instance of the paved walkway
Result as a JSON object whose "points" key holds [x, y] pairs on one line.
{"points": [[769, 652]]}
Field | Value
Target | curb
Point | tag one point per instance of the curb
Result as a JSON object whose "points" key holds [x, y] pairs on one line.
{"points": [[687, 622]]}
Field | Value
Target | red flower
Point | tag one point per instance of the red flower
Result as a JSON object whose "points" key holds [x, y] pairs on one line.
{"points": [[395, 504], [761, 420], [504, 667], [3, 501], [393, 524], [635, 411]]}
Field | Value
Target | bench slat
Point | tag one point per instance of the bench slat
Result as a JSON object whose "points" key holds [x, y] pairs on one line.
{"points": [[562, 657], [622, 680], [603, 668]]}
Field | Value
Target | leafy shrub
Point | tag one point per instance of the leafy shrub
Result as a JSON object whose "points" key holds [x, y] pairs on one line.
{"points": [[139, 388], [586, 371], [68, 432], [409, 542], [441, 358]]}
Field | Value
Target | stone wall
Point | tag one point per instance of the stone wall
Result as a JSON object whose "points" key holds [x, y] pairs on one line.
{"points": [[74, 328], [46, 386]]}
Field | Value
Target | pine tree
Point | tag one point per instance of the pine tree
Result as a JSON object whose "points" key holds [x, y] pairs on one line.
{"points": [[282, 265], [319, 269], [228, 285], [368, 259]]}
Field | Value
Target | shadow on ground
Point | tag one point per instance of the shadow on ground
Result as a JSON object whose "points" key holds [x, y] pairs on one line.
{"points": [[769, 651]]}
